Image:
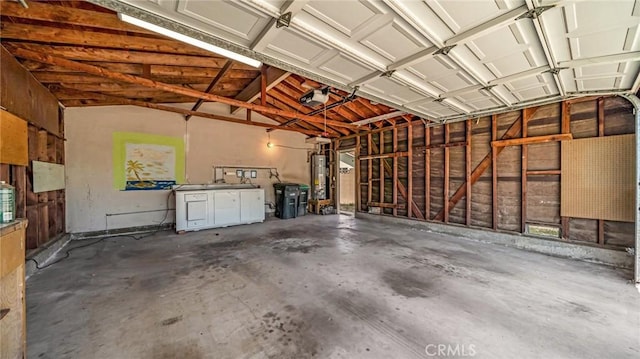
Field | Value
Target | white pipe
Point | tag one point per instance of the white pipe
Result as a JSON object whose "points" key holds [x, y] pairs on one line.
{"points": [[636, 109]]}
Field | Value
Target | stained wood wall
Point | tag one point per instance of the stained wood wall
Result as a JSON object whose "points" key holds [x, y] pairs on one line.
{"points": [[24, 97], [511, 187]]}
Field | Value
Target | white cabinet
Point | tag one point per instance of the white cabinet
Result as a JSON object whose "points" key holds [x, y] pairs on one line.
{"points": [[203, 209], [226, 206], [252, 206]]}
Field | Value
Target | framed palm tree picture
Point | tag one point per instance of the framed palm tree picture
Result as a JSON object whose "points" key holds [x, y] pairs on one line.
{"points": [[147, 162]]}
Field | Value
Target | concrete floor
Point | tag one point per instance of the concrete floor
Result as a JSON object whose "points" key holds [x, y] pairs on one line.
{"points": [[326, 287]]}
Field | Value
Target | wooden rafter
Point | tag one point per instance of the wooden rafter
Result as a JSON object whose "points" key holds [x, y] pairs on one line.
{"points": [[86, 53], [42, 11], [125, 101], [95, 70], [227, 66], [273, 77]]}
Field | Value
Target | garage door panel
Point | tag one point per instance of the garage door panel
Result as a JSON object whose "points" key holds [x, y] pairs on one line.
{"points": [[479, 100], [344, 67], [346, 18], [392, 89], [228, 16]]}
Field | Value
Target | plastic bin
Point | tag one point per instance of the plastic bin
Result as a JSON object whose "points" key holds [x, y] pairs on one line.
{"points": [[286, 200], [303, 199]]}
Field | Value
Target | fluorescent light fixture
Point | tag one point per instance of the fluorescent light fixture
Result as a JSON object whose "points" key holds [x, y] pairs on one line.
{"points": [[190, 40]]}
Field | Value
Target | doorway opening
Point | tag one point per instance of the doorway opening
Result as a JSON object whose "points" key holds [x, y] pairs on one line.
{"points": [[347, 182]]}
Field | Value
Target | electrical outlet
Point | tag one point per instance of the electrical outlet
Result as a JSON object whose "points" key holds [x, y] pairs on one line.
{"points": [[239, 173], [254, 174]]}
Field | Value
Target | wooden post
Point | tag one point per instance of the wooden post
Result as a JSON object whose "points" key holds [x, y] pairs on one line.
{"points": [[369, 169], [43, 209], [409, 170], [394, 185], [601, 134], [565, 119], [381, 189], [494, 173], [333, 162], [523, 178], [427, 173], [445, 194], [263, 85], [20, 183], [468, 171], [358, 179]]}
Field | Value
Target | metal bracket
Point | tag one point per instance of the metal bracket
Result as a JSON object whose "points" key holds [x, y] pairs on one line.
{"points": [[556, 70], [284, 20], [534, 13], [488, 87], [440, 99], [387, 73], [445, 50]]}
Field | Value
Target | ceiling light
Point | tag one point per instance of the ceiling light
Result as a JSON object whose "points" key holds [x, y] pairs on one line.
{"points": [[270, 144], [190, 40]]}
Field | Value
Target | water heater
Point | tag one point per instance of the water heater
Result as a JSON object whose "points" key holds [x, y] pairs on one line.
{"points": [[318, 176]]}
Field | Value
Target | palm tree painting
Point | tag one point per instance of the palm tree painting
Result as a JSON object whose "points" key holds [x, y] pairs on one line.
{"points": [[135, 168], [149, 166]]}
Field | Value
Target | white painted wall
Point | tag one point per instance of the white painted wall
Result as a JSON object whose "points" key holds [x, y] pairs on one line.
{"points": [[90, 192]]}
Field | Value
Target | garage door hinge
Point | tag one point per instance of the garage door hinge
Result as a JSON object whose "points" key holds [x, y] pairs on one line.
{"points": [[534, 13]]}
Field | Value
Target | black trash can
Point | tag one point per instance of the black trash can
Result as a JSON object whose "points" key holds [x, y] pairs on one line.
{"points": [[303, 199], [286, 200]]}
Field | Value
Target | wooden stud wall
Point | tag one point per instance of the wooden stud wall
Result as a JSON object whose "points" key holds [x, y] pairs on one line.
{"points": [[34, 104], [510, 162]]}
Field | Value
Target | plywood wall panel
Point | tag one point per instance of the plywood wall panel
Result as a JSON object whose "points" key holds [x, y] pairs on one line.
{"points": [[22, 95], [544, 156], [619, 234], [583, 230], [13, 139], [598, 178], [543, 199]]}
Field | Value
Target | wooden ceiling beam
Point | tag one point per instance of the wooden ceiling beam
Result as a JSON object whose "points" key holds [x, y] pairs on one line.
{"points": [[106, 86], [80, 77], [155, 70], [68, 93], [87, 53], [42, 11], [22, 53], [235, 73], [185, 112], [212, 85], [273, 77], [56, 35]]}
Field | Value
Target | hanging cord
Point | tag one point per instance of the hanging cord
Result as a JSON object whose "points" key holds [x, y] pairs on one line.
{"points": [[325, 119]]}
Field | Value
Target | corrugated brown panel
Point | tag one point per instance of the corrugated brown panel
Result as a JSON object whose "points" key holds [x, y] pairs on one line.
{"points": [[598, 178]]}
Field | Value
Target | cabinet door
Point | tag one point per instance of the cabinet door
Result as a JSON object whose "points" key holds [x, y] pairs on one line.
{"points": [[252, 206], [226, 207]]}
